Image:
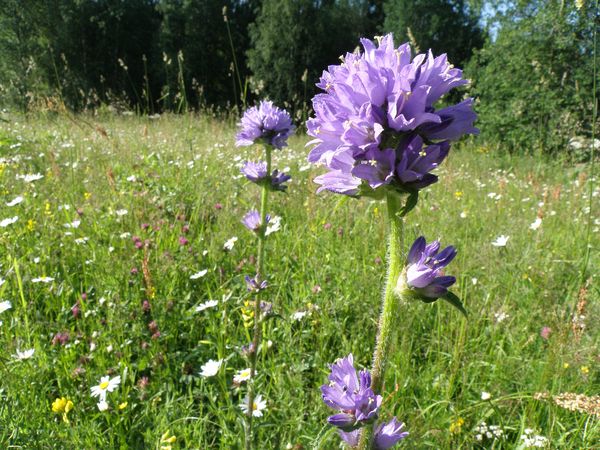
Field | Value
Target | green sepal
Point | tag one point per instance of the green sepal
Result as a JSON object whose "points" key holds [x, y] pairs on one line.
{"points": [[411, 202], [455, 301]]}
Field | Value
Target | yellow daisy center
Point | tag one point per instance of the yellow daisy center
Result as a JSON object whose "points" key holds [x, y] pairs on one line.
{"points": [[104, 385]]}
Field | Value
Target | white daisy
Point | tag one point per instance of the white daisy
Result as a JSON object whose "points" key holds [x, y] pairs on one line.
{"points": [[198, 274], [259, 405], [22, 355], [15, 201], [501, 241], [5, 306], [102, 405], [106, 384], [210, 368], [206, 305], [43, 279], [121, 212], [32, 177], [9, 221], [241, 376], [230, 243], [535, 225], [273, 226]]}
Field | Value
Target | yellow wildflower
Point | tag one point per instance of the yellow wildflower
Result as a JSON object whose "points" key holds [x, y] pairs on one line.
{"points": [[62, 406], [584, 370], [168, 439], [456, 426], [122, 405], [30, 225], [458, 195], [87, 195]]}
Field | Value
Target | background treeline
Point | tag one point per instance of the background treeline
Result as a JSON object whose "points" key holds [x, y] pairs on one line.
{"points": [[531, 63]]}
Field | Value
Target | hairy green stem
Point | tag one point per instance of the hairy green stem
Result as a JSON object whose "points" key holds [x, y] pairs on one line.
{"points": [[389, 311], [257, 323]]}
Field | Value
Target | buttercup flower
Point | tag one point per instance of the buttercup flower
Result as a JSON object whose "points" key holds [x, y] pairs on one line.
{"points": [[424, 271], [376, 124], [350, 393], [62, 406], [265, 123]]}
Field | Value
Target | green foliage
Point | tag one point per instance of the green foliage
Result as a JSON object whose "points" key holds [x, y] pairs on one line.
{"points": [[293, 41], [534, 80], [445, 26]]}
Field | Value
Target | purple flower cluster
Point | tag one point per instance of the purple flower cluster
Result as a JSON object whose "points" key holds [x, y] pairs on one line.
{"points": [[424, 268], [257, 173], [350, 393], [376, 123], [265, 123]]}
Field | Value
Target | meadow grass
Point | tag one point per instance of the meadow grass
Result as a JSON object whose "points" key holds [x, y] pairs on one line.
{"points": [[326, 267]]}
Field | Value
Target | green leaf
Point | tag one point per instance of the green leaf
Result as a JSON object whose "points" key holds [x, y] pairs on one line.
{"points": [[410, 204], [455, 301]]}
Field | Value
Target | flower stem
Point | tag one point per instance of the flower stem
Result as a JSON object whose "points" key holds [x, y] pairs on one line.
{"points": [[249, 438], [389, 311]]}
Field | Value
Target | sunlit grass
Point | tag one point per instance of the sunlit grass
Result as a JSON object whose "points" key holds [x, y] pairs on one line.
{"points": [[128, 311]]}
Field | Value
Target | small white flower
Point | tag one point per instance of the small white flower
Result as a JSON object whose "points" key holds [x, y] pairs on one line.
{"points": [[102, 405], [32, 177], [241, 376], [485, 395], [299, 315], [43, 279], [106, 385], [5, 306], [22, 355], [273, 226], [206, 305], [121, 212], [259, 405], [131, 178], [74, 224], [463, 215], [230, 243], [474, 281], [9, 221], [198, 274], [210, 368], [501, 316], [501, 241], [15, 201], [535, 225]]}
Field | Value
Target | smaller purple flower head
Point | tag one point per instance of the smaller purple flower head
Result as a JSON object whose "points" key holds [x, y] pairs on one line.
{"points": [[254, 171], [277, 180], [257, 173], [350, 393], [424, 272], [252, 221], [265, 123], [254, 284], [388, 434]]}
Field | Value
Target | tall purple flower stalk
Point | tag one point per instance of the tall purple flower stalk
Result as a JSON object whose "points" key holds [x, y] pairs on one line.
{"points": [[350, 393], [379, 131], [270, 126]]}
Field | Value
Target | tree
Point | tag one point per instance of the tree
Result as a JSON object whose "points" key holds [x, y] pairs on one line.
{"points": [[293, 41], [534, 81], [445, 26]]}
